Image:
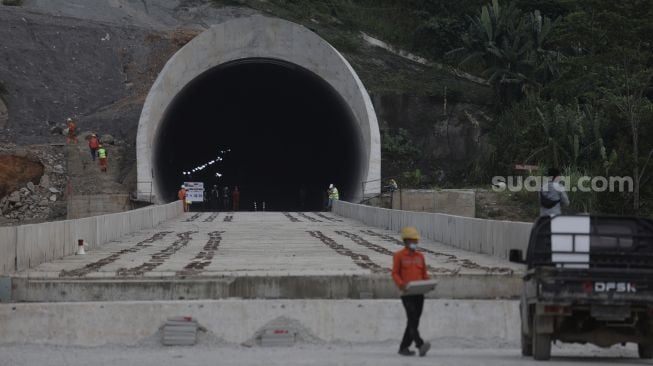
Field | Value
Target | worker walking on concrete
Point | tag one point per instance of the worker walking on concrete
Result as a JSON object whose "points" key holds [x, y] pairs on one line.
{"points": [[102, 154], [72, 131], [235, 199], [181, 195], [333, 196], [409, 265], [93, 145]]}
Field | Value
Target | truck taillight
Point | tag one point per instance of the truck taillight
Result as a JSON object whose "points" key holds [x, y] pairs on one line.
{"points": [[556, 309]]}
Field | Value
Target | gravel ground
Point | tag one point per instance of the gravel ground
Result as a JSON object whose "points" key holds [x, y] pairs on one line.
{"points": [[377, 355]]}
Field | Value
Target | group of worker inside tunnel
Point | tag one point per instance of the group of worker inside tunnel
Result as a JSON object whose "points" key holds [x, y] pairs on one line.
{"points": [[277, 131]]}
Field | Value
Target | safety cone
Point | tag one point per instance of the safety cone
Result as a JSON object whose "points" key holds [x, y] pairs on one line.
{"points": [[80, 247]]}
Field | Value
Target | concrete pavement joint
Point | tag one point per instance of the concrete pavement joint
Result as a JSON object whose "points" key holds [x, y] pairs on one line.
{"points": [[194, 217], [309, 218], [211, 217], [95, 266], [326, 217], [379, 249], [360, 260], [291, 217], [464, 263], [159, 257], [203, 258]]}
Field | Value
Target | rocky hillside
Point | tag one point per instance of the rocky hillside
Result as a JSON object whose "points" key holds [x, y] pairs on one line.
{"points": [[97, 60]]}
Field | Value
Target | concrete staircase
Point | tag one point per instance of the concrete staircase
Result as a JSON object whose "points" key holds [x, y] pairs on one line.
{"points": [[90, 191]]}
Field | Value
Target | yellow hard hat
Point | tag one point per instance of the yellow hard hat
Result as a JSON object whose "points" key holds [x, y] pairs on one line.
{"points": [[409, 232]]}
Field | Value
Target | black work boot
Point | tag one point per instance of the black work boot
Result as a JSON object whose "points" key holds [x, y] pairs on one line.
{"points": [[406, 352], [425, 347]]}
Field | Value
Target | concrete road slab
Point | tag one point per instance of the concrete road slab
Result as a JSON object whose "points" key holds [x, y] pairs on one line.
{"points": [[273, 245]]}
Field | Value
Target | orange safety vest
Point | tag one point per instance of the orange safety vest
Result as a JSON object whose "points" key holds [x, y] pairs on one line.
{"points": [[408, 266], [181, 194]]}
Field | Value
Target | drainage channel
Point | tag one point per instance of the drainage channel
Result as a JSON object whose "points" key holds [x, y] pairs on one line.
{"points": [[204, 257], [309, 218], [211, 217], [291, 217], [194, 217], [360, 260], [450, 258], [95, 266], [379, 249], [159, 257]]}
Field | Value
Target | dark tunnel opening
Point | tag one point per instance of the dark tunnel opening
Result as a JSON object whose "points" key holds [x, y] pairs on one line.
{"points": [[285, 133]]}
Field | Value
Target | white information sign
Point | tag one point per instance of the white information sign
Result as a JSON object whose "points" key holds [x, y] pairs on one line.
{"points": [[194, 191], [564, 246]]}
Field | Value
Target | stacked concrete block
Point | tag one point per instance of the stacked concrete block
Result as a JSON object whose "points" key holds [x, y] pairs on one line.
{"points": [[179, 331], [278, 337]]}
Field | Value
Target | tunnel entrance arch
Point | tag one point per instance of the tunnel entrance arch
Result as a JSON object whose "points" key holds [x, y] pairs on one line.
{"points": [[263, 104]]}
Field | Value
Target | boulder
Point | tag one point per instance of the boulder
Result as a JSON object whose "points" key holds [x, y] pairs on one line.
{"points": [[31, 187], [56, 130], [14, 197], [45, 181], [107, 139], [57, 169], [53, 197], [53, 190]]}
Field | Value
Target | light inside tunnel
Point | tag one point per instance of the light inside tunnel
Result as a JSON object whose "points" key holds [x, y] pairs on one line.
{"points": [[282, 135]]}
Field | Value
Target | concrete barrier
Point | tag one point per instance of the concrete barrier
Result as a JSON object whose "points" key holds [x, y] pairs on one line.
{"points": [[97, 204], [490, 237], [26, 246], [447, 201], [491, 323], [7, 249]]}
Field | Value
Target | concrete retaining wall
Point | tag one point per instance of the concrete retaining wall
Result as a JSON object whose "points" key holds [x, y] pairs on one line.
{"points": [[27, 246], [448, 201], [484, 322], [491, 237], [97, 204]]}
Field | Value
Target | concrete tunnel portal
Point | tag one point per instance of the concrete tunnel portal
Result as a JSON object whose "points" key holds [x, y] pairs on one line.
{"points": [[265, 105]]}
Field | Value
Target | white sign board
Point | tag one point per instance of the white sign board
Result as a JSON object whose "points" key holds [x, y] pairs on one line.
{"points": [[564, 246], [194, 191]]}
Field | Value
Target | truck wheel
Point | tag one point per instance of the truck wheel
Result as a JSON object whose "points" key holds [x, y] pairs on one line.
{"points": [[526, 346], [645, 351], [541, 346]]}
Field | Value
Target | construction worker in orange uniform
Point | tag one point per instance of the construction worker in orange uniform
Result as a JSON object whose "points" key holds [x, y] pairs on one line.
{"points": [[72, 131], [235, 199], [181, 195], [409, 265], [93, 145]]}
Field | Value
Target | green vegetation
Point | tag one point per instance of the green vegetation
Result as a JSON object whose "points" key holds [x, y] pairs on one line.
{"points": [[593, 115], [572, 81]]}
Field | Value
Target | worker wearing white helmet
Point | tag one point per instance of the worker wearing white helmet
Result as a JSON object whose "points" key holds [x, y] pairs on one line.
{"points": [[334, 195]]}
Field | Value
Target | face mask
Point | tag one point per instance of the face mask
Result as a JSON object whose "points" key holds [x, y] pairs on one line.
{"points": [[412, 246]]}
